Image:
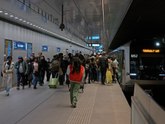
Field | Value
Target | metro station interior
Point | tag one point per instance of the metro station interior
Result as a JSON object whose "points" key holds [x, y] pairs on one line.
{"points": [[131, 30]]}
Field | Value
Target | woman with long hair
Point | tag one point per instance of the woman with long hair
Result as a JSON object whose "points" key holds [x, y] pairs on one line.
{"points": [[76, 72], [7, 71]]}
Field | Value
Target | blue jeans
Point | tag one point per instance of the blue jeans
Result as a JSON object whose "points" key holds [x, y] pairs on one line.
{"points": [[35, 80]]}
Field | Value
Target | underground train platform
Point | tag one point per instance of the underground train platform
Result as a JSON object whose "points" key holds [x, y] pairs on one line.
{"points": [[98, 104]]}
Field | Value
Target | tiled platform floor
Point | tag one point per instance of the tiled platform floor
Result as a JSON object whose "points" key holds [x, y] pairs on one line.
{"points": [[99, 104]]}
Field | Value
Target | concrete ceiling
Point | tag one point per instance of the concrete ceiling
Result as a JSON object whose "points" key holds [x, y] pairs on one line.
{"points": [[89, 17], [144, 21], [115, 21]]}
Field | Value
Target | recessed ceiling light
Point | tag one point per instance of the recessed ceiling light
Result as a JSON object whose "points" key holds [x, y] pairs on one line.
{"points": [[1, 11], [157, 44], [11, 16], [16, 17], [6, 13]]}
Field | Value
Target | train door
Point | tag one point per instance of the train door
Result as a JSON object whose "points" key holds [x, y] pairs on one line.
{"points": [[120, 59], [146, 60]]}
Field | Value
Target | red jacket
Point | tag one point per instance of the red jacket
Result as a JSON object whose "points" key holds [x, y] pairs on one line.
{"points": [[76, 77]]}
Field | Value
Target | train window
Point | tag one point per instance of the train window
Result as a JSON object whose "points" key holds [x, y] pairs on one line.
{"points": [[146, 66]]}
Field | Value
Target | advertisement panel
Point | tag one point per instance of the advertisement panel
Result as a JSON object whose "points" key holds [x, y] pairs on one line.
{"points": [[29, 49]]}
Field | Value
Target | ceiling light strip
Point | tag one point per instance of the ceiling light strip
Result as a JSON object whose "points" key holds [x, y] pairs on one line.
{"points": [[28, 23]]}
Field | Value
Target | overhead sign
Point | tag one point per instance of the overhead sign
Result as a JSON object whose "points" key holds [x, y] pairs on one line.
{"points": [[95, 37], [93, 44]]}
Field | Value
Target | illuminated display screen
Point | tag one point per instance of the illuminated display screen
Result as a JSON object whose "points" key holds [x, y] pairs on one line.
{"points": [[151, 51]]}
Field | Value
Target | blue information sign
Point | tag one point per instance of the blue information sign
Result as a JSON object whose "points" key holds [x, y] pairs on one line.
{"points": [[58, 49], [18, 45], [44, 48]]}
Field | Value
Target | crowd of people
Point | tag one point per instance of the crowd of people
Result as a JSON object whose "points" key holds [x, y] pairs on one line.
{"points": [[72, 70]]}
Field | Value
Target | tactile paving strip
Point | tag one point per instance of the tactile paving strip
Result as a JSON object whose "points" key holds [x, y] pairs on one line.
{"points": [[82, 113]]}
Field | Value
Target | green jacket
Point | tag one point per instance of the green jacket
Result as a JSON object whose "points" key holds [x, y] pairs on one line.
{"points": [[25, 67]]}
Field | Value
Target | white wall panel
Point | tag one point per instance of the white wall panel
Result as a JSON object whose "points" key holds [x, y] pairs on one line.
{"points": [[1, 29], [5, 30], [13, 32]]}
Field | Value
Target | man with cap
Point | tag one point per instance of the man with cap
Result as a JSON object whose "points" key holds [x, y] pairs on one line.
{"points": [[21, 70]]}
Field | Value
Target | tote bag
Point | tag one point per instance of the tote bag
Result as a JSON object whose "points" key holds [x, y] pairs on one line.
{"points": [[54, 82]]}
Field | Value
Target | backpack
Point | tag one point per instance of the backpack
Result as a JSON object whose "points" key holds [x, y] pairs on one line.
{"points": [[102, 63], [20, 69], [55, 65]]}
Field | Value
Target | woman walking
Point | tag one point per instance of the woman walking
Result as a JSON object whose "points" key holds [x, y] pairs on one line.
{"points": [[7, 70], [35, 73], [76, 75], [109, 72]]}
